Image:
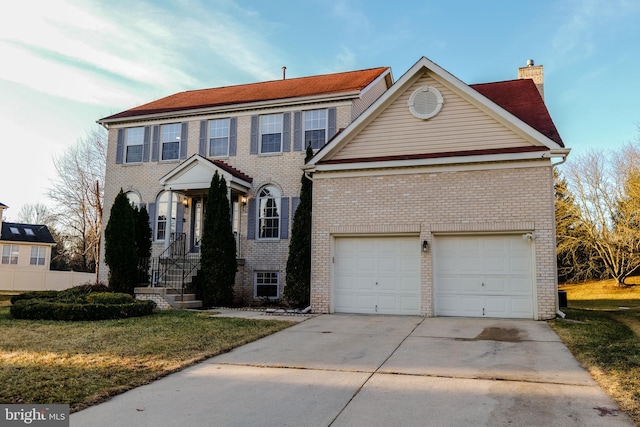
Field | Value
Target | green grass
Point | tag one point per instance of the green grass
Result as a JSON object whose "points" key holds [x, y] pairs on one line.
{"points": [[83, 363], [606, 338]]}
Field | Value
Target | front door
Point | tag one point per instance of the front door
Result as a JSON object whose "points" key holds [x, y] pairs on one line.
{"points": [[197, 221]]}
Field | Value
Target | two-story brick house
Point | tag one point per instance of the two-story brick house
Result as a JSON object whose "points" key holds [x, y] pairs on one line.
{"points": [[431, 197], [164, 153]]}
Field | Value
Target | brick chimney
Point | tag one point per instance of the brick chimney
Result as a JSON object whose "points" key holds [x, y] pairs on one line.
{"points": [[2, 207], [534, 72]]}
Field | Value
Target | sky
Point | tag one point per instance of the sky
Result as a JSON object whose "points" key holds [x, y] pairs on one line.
{"points": [[64, 64]]}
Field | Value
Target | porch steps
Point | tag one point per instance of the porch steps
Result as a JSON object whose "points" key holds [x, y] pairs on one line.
{"points": [[182, 302], [167, 298]]}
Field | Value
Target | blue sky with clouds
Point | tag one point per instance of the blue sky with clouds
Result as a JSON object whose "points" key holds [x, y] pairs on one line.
{"points": [[67, 63]]}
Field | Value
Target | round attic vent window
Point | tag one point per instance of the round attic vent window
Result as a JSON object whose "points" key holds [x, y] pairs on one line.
{"points": [[425, 102]]}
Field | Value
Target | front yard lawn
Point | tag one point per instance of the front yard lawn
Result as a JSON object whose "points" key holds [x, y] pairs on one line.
{"points": [[605, 338], [83, 363]]}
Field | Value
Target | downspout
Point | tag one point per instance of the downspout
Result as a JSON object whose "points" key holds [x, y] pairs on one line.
{"points": [[564, 154]]}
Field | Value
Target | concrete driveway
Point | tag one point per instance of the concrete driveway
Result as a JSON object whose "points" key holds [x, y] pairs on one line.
{"points": [[350, 370]]}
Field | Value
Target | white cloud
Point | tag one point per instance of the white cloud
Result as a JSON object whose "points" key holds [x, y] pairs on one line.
{"points": [[584, 23]]}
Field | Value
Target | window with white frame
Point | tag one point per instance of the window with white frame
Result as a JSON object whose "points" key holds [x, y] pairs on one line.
{"points": [[134, 140], [271, 133], [37, 255], [269, 213], [10, 254], [170, 140], [166, 217], [219, 138], [267, 284], [315, 128]]}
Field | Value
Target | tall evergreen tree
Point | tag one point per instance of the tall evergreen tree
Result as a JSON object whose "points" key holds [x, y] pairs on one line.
{"points": [[120, 246], [298, 286], [218, 248], [143, 241]]}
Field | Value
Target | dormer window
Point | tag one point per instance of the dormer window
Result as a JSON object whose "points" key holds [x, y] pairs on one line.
{"points": [[29, 232], [14, 230]]}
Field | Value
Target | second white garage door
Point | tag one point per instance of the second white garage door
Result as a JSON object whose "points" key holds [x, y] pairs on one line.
{"points": [[377, 275], [480, 276]]}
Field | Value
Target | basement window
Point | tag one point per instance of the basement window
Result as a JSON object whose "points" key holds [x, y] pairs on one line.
{"points": [[267, 284]]}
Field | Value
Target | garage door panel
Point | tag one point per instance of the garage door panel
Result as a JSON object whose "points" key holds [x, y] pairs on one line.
{"points": [[377, 275], [410, 285], [459, 306], [459, 285], [483, 276]]}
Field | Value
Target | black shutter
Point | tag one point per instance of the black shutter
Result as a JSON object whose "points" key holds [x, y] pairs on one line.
{"points": [[233, 135], [255, 132], [120, 146], [184, 140], [251, 223], [286, 132], [146, 143], [155, 141], [202, 147]]}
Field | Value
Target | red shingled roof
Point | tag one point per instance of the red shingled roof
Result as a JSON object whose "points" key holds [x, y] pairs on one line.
{"points": [[233, 171], [522, 99], [351, 81]]}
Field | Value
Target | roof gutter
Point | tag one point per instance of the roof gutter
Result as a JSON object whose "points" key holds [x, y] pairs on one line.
{"points": [[564, 153], [258, 105]]}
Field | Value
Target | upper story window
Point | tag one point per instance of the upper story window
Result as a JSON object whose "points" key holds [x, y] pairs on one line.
{"points": [[134, 141], [170, 139], [315, 128], [269, 213], [271, 133], [10, 254], [37, 255], [219, 138]]}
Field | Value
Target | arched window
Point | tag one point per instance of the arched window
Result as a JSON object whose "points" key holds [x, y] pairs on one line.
{"points": [[269, 213], [134, 198], [162, 215]]}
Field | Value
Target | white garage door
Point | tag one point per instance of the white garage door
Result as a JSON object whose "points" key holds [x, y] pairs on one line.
{"points": [[377, 275], [480, 276]]}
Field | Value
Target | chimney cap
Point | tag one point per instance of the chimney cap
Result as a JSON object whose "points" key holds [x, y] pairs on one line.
{"points": [[530, 63]]}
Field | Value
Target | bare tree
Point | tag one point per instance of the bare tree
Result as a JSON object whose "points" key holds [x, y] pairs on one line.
{"points": [[606, 194], [36, 213], [78, 193]]}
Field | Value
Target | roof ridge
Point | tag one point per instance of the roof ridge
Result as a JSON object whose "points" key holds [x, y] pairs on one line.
{"points": [[283, 80]]}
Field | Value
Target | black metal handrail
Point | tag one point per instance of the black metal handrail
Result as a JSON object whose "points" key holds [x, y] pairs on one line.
{"points": [[175, 259]]}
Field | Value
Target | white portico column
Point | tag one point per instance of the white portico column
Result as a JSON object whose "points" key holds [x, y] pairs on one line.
{"points": [[167, 233]]}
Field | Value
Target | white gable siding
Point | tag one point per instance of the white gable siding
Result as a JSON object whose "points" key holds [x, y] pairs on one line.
{"points": [[459, 126]]}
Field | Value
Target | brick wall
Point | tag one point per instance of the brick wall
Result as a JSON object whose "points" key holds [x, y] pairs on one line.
{"points": [[282, 170], [436, 201]]}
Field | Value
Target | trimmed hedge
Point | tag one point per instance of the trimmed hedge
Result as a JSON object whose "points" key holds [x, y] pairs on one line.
{"points": [[84, 302], [53, 310]]}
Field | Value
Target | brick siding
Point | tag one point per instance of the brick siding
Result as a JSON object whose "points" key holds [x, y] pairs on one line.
{"points": [[466, 201]]}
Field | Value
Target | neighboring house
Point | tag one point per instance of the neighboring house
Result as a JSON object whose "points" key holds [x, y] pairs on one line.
{"points": [[431, 197], [26, 255], [438, 201], [163, 154]]}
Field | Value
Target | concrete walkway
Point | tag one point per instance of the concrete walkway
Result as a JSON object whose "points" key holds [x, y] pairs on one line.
{"points": [[349, 370]]}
